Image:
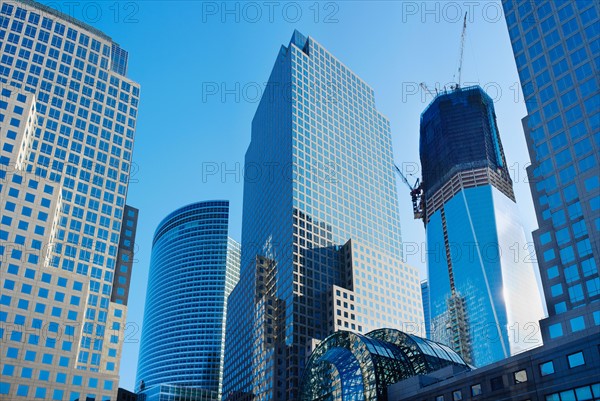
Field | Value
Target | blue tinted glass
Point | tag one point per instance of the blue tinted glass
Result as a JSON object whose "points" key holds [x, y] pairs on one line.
{"points": [[555, 330], [577, 324], [546, 368], [576, 359]]}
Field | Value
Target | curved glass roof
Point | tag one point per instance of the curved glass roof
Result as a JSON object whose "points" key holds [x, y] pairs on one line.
{"points": [[426, 355], [350, 366]]}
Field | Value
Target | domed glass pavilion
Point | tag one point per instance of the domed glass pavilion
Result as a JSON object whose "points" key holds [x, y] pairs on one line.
{"points": [[348, 366]]}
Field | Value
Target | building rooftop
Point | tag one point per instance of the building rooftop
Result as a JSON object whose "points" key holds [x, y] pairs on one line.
{"points": [[66, 17]]}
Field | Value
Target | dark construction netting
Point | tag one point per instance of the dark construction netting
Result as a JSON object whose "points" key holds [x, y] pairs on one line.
{"points": [[458, 132]]}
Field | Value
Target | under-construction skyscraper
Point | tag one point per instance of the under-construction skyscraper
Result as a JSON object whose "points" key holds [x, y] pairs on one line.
{"points": [[484, 297]]}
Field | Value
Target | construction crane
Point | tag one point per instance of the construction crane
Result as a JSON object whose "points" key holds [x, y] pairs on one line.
{"points": [[423, 86], [416, 194], [462, 49], [416, 190]]}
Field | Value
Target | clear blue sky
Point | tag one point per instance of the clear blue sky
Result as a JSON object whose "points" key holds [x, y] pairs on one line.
{"points": [[180, 51]]}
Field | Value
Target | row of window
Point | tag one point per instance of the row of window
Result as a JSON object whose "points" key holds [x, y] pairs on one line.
{"points": [[23, 390], [520, 376], [49, 23], [584, 393], [575, 324], [72, 36]]}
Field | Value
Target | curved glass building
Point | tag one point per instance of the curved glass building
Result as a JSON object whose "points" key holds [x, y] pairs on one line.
{"points": [[352, 366], [193, 268]]}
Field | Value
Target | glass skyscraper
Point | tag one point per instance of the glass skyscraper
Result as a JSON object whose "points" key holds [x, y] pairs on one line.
{"points": [[67, 121], [484, 300], [556, 46], [194, 267], [321, 245]]}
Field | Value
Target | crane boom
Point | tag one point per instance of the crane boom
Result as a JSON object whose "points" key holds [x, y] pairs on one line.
{"points": [[427, 90], [403, 177], [416, 194]]}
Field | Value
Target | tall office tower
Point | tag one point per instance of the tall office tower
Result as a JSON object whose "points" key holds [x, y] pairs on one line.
{"points": [[556, 50], [194, 267], [426, 308], [67, 120], [321, 246], [484, 299]]}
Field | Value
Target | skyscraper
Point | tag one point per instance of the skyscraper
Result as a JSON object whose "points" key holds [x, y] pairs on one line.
{"points": [[67, 121], [194, 267], [555, 45], [321, 245], [484, 299]]}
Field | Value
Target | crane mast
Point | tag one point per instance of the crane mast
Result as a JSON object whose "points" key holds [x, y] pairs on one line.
{"points": [[462, 49]]}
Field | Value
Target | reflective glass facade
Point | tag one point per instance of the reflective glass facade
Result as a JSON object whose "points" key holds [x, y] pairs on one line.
{"points": [[321, 245], [356, 367], [67, 121], [426, 308], [484, 300], [168, 392], [193, 269], [556, 48]]}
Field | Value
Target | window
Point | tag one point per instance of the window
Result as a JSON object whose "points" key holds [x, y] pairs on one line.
{"points": [[577, 324], [58, 394], [439, 398], [556, 290], [545, 238], [560, 307], [571, 273], [576, 359], [476, 389], [520, 376], [40, 392], [546, 368], [497, 383], [576, 293], [27, 373], [457, 395], [8, 370], [22, 390], [556, 330], [585, 393]]}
